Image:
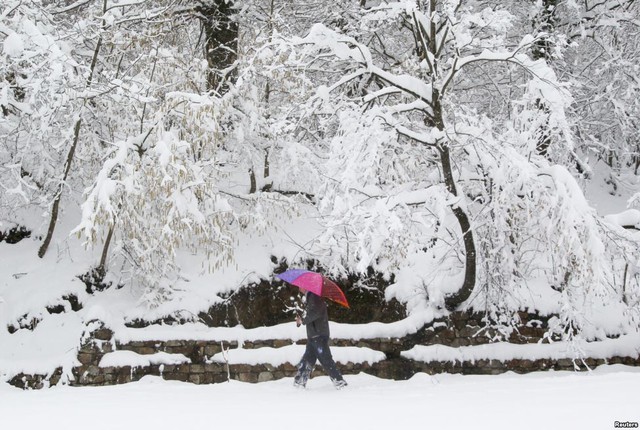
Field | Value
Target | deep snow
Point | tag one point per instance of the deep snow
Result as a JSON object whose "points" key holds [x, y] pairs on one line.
{"points": [[545, 400]]}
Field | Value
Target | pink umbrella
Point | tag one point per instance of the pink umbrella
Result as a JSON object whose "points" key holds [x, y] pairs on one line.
{"points": [[315, 283]]}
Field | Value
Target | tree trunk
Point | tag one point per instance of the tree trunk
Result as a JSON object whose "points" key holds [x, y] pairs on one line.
{"points": [[56, 202], [253, 187], [221, 44], [105, 251], [456, 299], [55, 209], [546, 22]]}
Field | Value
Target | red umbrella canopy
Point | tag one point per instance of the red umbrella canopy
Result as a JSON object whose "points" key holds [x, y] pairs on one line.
{"points": [[315, 283]]}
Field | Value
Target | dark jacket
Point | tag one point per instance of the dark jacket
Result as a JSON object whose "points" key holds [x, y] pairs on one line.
{"points": [[316, 317]]}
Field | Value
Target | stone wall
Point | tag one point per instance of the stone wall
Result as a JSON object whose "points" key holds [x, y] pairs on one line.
{"points": [[459, 329], [201, 370]]}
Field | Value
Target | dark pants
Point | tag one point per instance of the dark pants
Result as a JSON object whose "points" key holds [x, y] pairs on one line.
{"points": [[317, 349]]}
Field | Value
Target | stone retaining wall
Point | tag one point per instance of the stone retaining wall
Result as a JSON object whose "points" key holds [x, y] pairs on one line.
{"points": [[459, 329], [398, 369]]}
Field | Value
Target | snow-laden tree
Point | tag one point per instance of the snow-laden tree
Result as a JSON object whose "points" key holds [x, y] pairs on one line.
{"points": [[272, 91], [594, 46], [82, 71], [38, 81], [604, 64], [156, 203], [118, 47], [426, 132], [433, 140], [170, 180], [150, 193], [436, 43]]}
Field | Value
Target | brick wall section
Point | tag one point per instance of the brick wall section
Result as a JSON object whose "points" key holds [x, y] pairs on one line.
{"points": [[461, 329]]}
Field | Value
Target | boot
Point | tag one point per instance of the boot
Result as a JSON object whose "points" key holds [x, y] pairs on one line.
{"points": [[301, 378], [339, 383]]}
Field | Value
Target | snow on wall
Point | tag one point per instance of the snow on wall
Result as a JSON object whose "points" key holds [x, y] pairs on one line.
{"points": [[624, 346], [54, 343], [198, 331], [292, 354], [130, 358]]}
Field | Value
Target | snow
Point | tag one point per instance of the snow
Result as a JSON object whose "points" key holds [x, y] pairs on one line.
{"points": [[29, 285], [198, 331], [130, 358], [13, 45], [292, 354], [554, 400], [321, 36], [610, 194], [625, 346], [52, 344], [630, 217]]}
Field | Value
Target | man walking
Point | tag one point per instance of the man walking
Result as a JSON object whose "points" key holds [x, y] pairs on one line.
{"points": [[316, 319]]}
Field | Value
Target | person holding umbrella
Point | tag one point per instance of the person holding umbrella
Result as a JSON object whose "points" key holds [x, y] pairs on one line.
{"points": [[316, 320]]}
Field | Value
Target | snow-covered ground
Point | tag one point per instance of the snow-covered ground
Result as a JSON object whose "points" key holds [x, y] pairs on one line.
{"points": [[546, 400]]}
